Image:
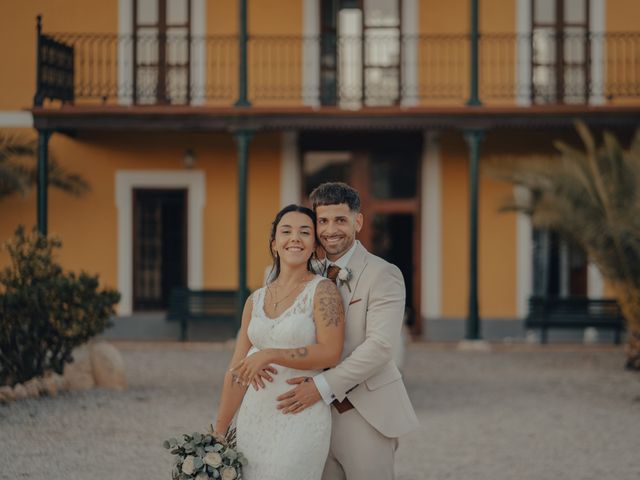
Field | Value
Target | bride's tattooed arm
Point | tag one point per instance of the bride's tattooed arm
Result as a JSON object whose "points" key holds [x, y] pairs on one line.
{"points": [[329, 305], [328, 316]]}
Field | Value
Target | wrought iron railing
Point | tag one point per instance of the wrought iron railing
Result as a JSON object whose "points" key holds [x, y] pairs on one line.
{"points": [[353, 71]]}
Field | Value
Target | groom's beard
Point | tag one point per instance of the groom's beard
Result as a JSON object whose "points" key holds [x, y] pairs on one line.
{"points": [[335, 250]]}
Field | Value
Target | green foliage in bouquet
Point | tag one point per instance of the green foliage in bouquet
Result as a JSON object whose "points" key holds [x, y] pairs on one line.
{"points": [[202, 456], [45, 312]]}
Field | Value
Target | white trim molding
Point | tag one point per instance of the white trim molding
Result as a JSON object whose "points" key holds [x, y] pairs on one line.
{"points": [[431, 226], [126, 181], [310, 93], [290, 170], [16, 119], [524, 255], [409, 46], [125, 52]]}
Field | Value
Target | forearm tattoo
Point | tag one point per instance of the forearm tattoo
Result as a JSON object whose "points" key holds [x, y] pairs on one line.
{"points": [[299, 352], [329, 305]]}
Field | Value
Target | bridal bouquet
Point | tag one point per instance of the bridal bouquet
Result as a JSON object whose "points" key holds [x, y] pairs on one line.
{"points": [[201, 456]]}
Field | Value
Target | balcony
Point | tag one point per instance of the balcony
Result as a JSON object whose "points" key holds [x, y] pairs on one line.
{"points": [[342, 75]]}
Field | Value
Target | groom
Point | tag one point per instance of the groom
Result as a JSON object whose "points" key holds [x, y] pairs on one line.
{"points": [[370, 406]]}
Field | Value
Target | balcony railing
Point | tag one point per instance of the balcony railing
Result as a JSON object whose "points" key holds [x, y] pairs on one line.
{"points": [[353, 72]]}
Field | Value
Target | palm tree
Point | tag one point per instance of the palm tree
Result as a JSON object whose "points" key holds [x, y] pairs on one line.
{"points": [[591, 197], [19, 173]]}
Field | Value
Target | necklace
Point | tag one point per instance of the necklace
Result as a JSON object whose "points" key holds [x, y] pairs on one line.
{"points": [[273, 296]]}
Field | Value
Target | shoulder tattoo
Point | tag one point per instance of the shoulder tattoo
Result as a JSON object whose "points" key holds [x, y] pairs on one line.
{"points": [[329, 304]]}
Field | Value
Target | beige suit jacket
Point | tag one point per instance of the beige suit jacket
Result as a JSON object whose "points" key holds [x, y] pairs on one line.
{"points": [[374, 310]]}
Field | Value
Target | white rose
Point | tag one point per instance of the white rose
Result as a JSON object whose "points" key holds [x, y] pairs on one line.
{"points": [[202, 476], [213, 459], [229, 473], [344, 274], [187, 466]]}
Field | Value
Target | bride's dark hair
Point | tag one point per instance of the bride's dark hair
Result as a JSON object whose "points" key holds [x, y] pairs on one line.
{"points": [[275, 268]]}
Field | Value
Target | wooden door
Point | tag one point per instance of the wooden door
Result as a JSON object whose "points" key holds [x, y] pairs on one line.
{"points": [[387, 181]]}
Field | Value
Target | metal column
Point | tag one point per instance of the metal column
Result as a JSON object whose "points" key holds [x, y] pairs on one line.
{"points": [[243, 38], [474, 98], [43, 178], [473, 138], [243, 139]]}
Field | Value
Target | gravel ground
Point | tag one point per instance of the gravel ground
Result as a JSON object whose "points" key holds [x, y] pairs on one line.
{"points": [[516, 413]]}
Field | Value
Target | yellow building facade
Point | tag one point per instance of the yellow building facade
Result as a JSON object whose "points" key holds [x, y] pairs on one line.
{"points": [[373, 92]]}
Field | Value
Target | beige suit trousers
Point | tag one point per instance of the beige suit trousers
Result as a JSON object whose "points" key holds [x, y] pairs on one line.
{"points": [[358, 451]]}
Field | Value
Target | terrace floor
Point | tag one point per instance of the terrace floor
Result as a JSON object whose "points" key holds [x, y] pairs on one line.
{"points": [[521, 412]]}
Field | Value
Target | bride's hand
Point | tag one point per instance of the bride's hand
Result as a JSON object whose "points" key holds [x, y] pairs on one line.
{"points": [[251, 367], [263, 375]]}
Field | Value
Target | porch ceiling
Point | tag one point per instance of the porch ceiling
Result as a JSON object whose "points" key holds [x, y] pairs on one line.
{"points": [[189, 118]]}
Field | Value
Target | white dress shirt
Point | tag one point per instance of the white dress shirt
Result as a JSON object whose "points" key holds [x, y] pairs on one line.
{"points": [[319, 380]]}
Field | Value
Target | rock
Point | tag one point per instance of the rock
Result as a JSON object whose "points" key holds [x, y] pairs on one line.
{"points": [[60, 381], [78, 375], [51, 385], [20, 392], [107, 366], [32, 387], [6, 394], [590, 336], [531, 337]]}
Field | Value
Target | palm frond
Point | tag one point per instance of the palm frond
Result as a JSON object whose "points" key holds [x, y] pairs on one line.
{"points": [[19, 171], [589, 196]]}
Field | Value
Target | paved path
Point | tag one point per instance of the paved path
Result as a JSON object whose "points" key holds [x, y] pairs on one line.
{"points": [[519, 413]]}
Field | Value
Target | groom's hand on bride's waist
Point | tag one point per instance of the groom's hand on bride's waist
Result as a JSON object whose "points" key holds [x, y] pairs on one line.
{"points": [[304, 395]]}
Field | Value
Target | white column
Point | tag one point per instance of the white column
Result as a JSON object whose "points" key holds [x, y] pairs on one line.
{"points": [[523, 57], [310, 93], [595, 282], [564, 269], [125, 52], [198, 52], [410, 30], [597, 31], [431, 195], [524, 255], [290, 170]]}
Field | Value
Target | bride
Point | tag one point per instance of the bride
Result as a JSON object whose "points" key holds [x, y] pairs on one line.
{"points": [[296, 322]]}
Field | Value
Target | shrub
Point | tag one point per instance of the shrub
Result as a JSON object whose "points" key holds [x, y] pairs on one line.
{"points": [[45, 312]]}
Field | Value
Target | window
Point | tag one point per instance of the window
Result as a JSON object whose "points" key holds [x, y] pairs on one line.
{"points": [[560, 268], [162, 51], [560, 46], [360, 53]]}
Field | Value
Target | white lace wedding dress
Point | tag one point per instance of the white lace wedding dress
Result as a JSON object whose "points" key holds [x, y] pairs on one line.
{"points": [[279, 446]]}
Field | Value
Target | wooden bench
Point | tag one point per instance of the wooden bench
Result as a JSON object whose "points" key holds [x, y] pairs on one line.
{"points": [[186, 305], [574, 313]]}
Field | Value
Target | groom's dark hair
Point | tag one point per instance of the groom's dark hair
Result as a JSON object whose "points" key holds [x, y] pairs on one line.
{"points": [[335, 193]]}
